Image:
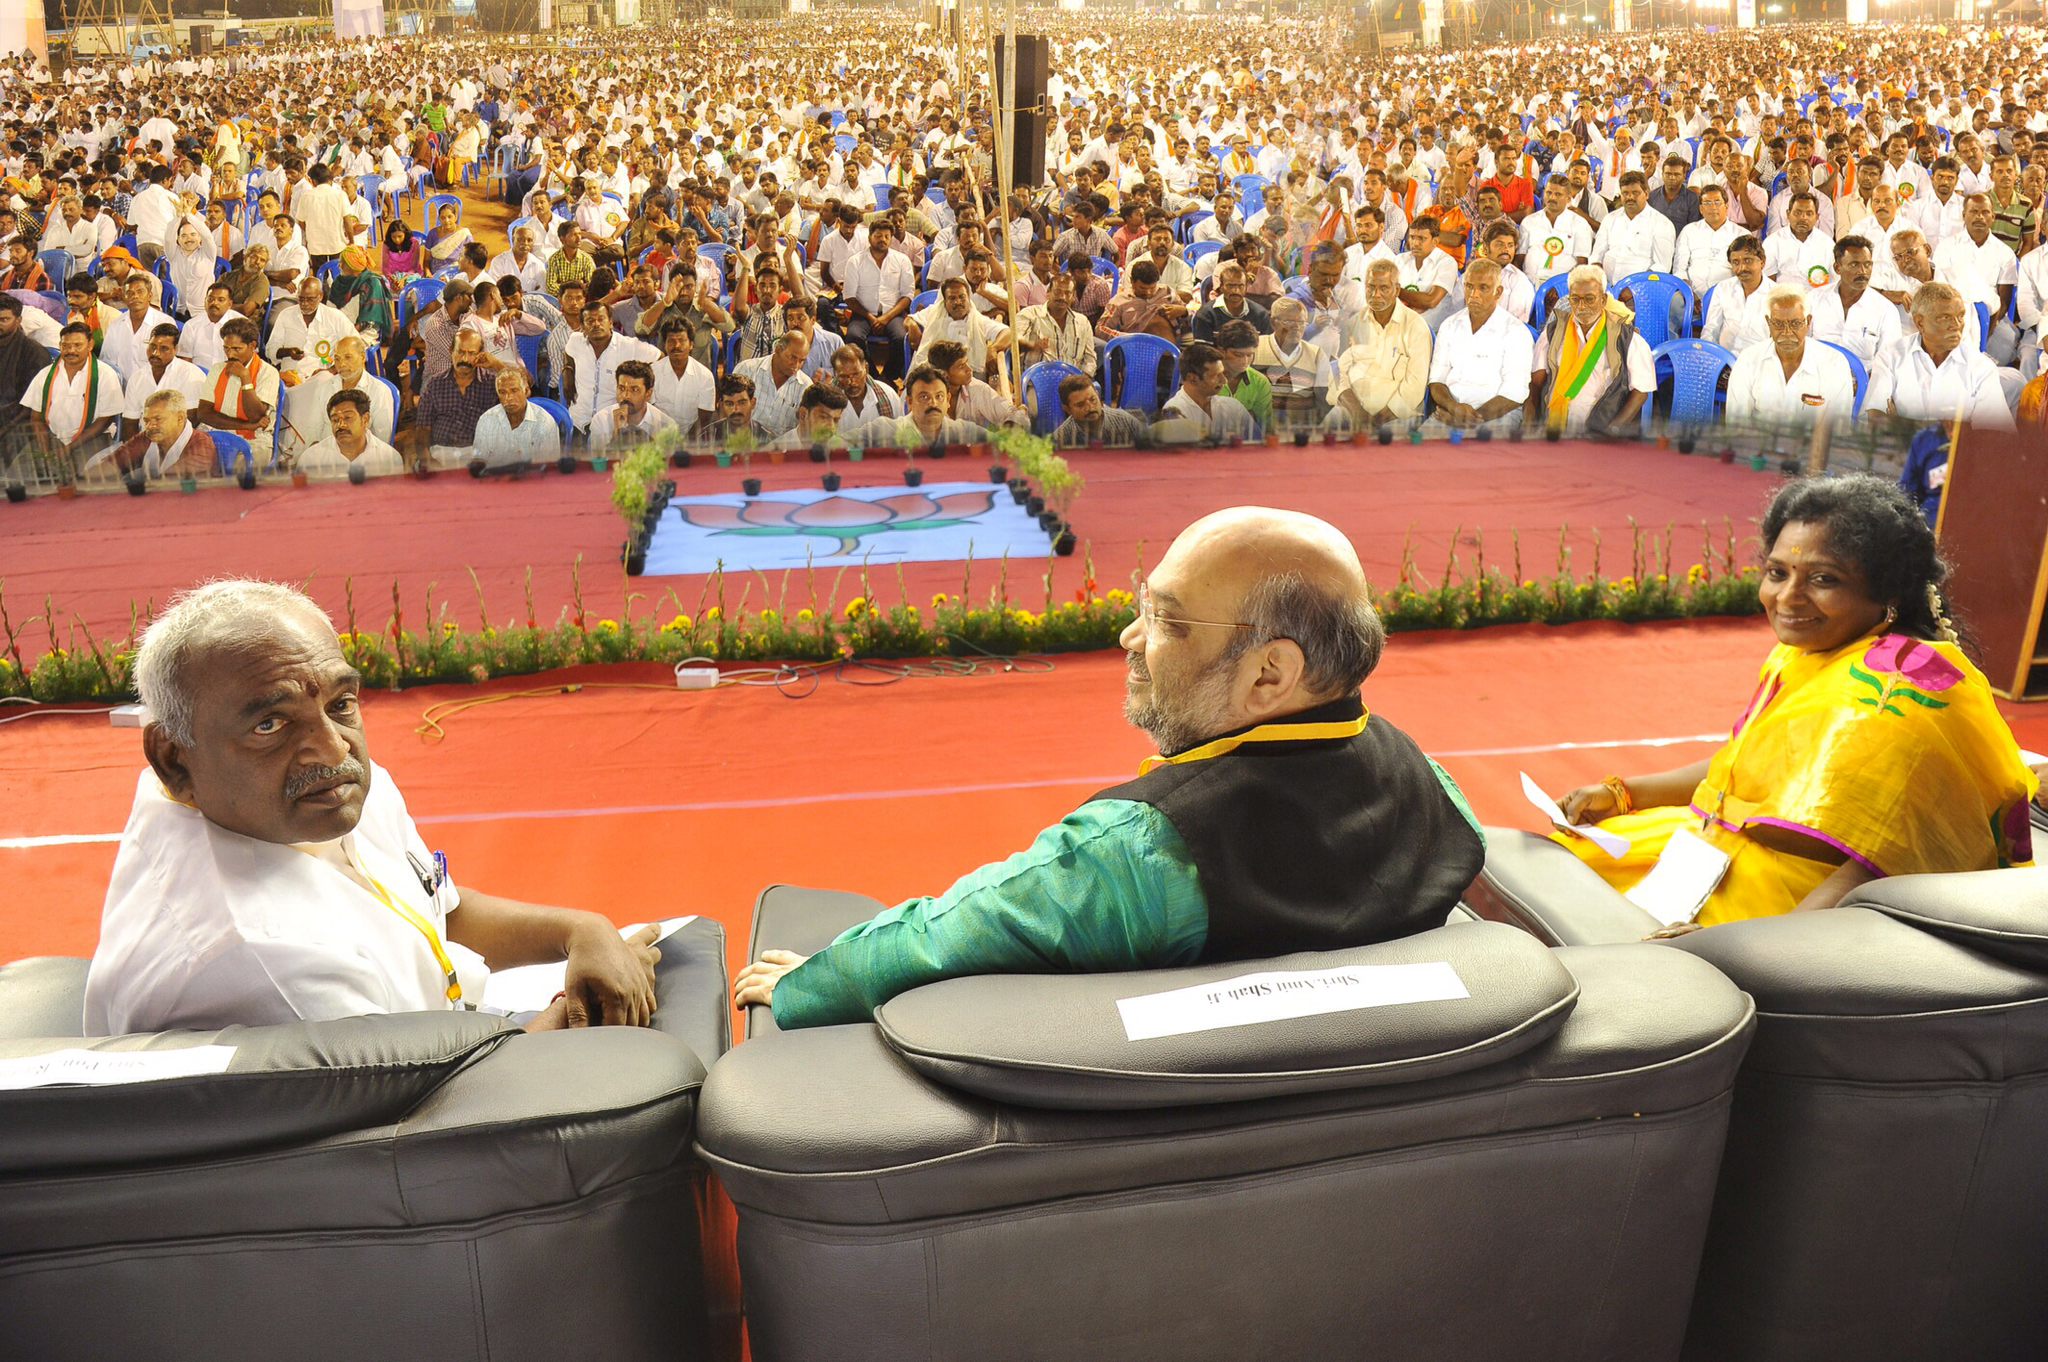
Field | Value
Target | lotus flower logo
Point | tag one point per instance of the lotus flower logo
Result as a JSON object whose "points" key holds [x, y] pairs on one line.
{"points": [[843, 519], [1902, 668]]}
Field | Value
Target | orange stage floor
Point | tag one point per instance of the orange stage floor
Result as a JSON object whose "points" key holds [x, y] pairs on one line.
{"points": [[638, 803]]}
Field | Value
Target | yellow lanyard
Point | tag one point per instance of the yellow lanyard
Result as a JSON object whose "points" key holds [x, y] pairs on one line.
{"points": [[1340, 728], [419, 924]]}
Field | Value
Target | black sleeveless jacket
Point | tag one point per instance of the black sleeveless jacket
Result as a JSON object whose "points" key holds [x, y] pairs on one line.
{"points": [[1314, 844]]}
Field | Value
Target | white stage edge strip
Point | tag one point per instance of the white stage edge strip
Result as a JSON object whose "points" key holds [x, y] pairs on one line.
{"points": [[715, 806]]}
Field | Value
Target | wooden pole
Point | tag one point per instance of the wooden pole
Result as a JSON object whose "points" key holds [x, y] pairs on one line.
{"points": [[1006, 141]]}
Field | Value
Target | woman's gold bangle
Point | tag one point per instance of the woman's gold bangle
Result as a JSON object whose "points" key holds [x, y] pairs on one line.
{"points": [[1623, 802]]}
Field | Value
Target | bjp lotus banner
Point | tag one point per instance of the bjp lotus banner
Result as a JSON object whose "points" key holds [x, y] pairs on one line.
{"points": [[937, 523]]}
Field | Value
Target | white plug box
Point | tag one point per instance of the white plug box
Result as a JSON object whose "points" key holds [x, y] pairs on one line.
{"points": [[128, 716], [696, 678]]}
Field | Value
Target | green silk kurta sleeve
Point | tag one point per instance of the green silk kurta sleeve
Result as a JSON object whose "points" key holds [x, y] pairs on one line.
{"points": [[1108, 887]]}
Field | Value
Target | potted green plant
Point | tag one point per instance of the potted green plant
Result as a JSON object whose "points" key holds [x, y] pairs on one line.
{"points": [[634, 497], [1062, 484]]}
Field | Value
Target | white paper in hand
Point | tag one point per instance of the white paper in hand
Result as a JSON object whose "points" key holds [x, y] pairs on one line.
{"points": [[530, 988], [1678, 885], [1614, 846]]}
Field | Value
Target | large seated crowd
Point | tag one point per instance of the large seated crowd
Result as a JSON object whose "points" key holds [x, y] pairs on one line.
{"points": [[794, 235]]}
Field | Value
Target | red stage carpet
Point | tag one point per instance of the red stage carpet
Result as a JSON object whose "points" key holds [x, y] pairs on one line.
{"points": [[93, 556], [638, 803]]}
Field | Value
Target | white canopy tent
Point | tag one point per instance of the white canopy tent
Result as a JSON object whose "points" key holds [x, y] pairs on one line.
{"points": [[356, 18]]}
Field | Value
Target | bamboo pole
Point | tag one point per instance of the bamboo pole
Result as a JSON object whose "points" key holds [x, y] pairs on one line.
{"points": [[1006, 140]]}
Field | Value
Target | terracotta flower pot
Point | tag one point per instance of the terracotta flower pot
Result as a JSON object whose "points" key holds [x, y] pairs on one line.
{"points": [[299, 479], [66, 491]]}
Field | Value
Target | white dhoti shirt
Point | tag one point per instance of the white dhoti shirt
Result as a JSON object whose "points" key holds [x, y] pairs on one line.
{"points": [[204, 927]]}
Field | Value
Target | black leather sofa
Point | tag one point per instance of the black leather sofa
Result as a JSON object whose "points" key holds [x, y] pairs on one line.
{"points": [[422, 1186], [992, 1170], [1884, 1197]]}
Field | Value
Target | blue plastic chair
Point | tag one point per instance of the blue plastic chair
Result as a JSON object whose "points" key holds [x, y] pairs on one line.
{"points": [[231, 449], [1555, 287], [923, 301], [1194, 253], [512, 227], [504, 164], [431, 209], [1856, 371], [392, 390], [1696, 369], [722, 253], [1184, 228], [417, 295], [843, 143], [881, 193], [57, 264], [529, 355], [1104, 265], [1984, 323], [1139, 372], [1244, 184], [1044, 381], [559, 412], [328, 273], [1653, 294]]}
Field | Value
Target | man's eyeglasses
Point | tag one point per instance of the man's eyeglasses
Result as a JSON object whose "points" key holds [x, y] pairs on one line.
{"points": [[1148, 617]]}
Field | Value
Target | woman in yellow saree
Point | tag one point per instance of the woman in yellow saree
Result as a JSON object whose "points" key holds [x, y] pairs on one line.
{"points": [[1872, 746]]}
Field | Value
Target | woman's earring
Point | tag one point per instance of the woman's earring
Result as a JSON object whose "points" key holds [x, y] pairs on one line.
{"points": [[1891, 615]]}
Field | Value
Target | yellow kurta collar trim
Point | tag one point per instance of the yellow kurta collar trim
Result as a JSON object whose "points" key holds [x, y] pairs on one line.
{"points": [[1341, 728]]}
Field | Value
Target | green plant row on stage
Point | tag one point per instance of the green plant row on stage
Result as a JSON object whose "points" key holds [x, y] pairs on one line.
{"points": [[748, 618]]}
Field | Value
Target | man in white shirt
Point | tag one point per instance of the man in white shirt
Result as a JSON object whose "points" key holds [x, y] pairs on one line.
{"points": [[683, 387], [349, 442], [1480, 365], [1734, 317], [151, 213], [1701, 256], [1383, 375], [1554, 240], [75, 402], [515, 433], [1201, 410], [1939, 214], [879, 288], [163, 370], [1636, 239], [269, 871], [320, 207], [523, 263], [1368, 243], [1975, 254], [1800, 252], [1792, 380], [634, 419], [306, 405], [593, 358], [954, 319], [867, 401], [199, 340], [1932, 375], [1427, 277], [127, 336], [1852, 314]]}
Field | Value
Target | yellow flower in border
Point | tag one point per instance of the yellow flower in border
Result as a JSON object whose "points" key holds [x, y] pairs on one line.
{"points": [[608, 626], [805, 616], [939, 601], [679, 625], [855, 606], [714, 613], [448, 628]]}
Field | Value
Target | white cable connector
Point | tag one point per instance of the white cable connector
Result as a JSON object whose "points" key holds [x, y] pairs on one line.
{"points": [[695, 678]]}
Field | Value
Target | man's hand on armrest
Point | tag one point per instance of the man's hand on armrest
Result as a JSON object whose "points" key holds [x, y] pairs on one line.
{"points": [[756, 984]]}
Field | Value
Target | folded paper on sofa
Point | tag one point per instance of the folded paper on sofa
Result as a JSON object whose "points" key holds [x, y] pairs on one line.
{"points": [[95, 1068], [1278, 995]]}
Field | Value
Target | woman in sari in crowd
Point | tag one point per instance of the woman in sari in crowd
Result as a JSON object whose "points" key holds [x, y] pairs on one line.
{"points": [[189, 259], [1872, 746], [445, 242], [402, 256], [362, 294]]}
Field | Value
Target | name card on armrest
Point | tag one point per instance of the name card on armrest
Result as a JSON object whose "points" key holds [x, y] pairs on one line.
{"points": [[1280, 995], [98, 1068]]}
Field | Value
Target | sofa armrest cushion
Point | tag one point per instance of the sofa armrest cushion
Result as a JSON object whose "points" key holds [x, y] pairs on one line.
{"points": [[1064, 1041], [283, 1085]]}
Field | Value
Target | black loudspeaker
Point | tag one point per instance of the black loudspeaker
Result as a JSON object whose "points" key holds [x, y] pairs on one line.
{"points": [[508, 16], [445, 24], [202, 39], [1034, 62]]}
